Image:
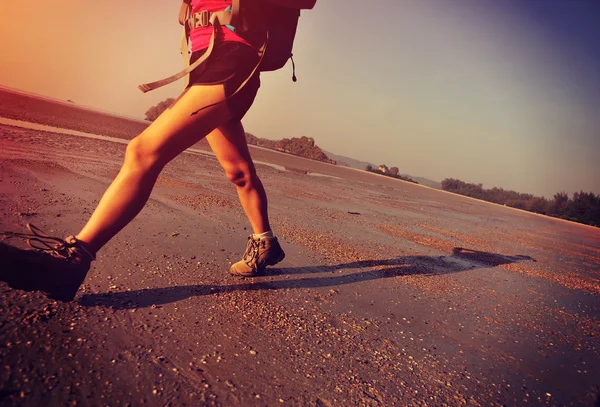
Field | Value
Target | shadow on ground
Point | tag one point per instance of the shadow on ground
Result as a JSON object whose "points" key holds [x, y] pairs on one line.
{"points": [[377, 269], [18, 272]]}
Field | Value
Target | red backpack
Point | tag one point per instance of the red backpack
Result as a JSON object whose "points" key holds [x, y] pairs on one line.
{"points": [[274, 22]]}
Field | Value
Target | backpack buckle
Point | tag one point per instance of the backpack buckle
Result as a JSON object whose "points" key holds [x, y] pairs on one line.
{"points": [[200, 19]]}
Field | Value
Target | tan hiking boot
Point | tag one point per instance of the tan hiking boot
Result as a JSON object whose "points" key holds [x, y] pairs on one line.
{"points": [[259, 254]]}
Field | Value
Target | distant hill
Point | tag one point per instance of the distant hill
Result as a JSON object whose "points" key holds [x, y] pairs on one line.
{"points": [[361, 165], [425, 181], [347, 161], [302, 147]]}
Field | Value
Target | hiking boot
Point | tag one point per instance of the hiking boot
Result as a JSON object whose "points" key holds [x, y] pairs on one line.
{"points": [[260, 253], [53, 266]]}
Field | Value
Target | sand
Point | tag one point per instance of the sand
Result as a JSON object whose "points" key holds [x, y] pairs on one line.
{"points": [[391, 294]]}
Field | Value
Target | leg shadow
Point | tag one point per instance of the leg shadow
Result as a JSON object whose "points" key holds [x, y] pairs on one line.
{"points": [[160, 296], [442, 264], [489, 259]]}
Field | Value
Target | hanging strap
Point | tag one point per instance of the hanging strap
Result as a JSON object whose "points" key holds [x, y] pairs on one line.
{"points": [[216, 20]]}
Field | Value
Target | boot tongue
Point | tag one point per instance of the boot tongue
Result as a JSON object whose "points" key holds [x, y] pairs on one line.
{"points": [[78, 250]]}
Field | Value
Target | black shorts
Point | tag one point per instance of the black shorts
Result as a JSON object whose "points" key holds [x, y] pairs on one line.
{"points": [[230, 64]]}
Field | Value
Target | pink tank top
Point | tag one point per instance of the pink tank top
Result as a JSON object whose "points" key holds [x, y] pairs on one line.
{"points": [[200, 36]]}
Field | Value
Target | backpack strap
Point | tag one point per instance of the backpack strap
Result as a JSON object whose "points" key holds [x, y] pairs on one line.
{"points": [[184, 15], [184, 11], [235, 13], [216, 20]]}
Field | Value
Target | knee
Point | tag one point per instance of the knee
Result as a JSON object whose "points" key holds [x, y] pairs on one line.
{"points": [[140, 156], [241, 175]]}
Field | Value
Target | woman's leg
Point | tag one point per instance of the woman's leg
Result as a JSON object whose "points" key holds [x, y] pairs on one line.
{"points": [[170, 134], [228, 142]]}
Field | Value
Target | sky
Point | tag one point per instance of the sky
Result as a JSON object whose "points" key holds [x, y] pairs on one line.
{"points": [[503, 93]]}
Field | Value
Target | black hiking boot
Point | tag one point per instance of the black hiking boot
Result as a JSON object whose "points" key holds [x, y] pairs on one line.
{"points": [[54, 266]]}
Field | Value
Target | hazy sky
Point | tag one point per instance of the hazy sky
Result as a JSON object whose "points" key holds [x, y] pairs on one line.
{"points": [[505, 93]]}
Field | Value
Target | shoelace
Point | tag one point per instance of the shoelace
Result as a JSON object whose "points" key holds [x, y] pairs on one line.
{"points": [[252, 251], [42, 242]]}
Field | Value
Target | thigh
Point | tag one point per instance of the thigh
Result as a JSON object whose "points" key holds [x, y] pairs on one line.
{"points": [[232, 64], [185, 122], [228, 142]]}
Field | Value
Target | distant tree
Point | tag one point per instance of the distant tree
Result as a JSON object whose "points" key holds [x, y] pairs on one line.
{"points": [[155, 111], [537, 204], [583, 208], [559, 206], [303, 147], [393, 172], [453, 185], [516, 203], [251, 139]]}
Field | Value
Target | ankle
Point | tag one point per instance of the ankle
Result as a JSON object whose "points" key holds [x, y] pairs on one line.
{"points": [[265, 235], [87, 248]]}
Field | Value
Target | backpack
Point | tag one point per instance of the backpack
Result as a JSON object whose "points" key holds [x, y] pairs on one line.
{"points": [[280, 24], [268, 25]]}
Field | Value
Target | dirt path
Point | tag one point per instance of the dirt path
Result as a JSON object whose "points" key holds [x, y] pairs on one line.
{"points": [[378, 307]]}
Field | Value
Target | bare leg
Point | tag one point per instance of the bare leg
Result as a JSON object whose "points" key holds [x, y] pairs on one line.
{"points": [[228, 142], [170, 134]]}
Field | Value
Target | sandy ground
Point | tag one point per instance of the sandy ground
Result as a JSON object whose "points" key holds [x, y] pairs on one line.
{"points": [[391, 294]]}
